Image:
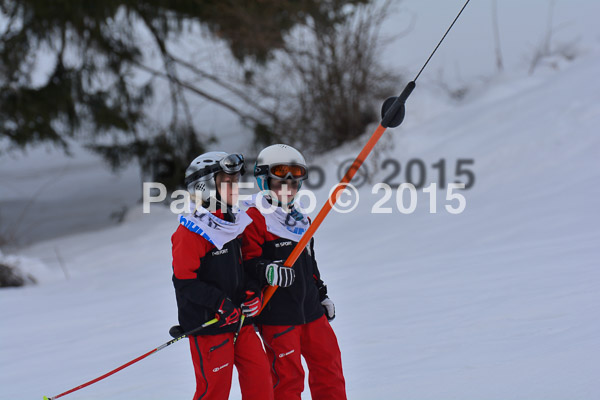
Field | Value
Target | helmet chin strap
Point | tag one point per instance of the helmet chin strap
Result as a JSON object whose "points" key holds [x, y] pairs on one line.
{"points": [[277, 202], [228, 215], [297, 215]]}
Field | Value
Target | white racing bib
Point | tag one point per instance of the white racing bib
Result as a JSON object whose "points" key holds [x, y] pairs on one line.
{"points": [[214, 229], [279, 222]]}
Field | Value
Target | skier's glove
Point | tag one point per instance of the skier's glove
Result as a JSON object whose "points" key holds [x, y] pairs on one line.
{"points": [[227, 313], [279, 275], [253, 303], [329, 308]]}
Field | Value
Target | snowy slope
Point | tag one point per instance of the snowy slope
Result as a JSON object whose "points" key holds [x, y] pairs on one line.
{"points": [[44, 194], [493, 303]]}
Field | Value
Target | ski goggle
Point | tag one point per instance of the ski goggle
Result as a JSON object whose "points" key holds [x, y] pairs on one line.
{"points": [[231, 164], [287, 171]]}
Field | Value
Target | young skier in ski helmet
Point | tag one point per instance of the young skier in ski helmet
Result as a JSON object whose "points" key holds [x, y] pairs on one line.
{"points": [[295, 322], [210, 281]]}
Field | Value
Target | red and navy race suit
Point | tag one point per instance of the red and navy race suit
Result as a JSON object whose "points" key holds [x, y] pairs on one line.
{"points": [[293, 322], [294, 305], [203, 276]]}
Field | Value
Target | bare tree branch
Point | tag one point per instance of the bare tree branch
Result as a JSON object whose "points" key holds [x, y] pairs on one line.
{"points": [[197, 91]]}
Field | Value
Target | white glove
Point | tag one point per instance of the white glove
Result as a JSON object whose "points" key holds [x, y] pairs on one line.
{"points": [[329, 308]]}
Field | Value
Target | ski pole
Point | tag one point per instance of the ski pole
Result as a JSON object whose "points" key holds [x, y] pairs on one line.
{"points": [[237, 332], [170, 342], [392, 115]]}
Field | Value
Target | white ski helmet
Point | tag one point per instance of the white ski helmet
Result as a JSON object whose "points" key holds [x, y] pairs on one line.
{"points": [[200, 175], [279, 161]]}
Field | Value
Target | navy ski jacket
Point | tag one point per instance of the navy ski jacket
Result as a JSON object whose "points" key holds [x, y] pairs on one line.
{"points": [[203, 276], [295, 305]]}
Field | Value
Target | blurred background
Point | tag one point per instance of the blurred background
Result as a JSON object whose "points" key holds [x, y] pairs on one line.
{"points": [[97, 98], [495, 302]]}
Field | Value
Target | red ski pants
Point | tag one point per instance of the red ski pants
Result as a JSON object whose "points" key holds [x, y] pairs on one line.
{"points": [[317, 343], [214, 358]]}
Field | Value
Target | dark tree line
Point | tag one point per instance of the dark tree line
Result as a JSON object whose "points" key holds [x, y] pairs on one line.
{"points": [[79, 70]]}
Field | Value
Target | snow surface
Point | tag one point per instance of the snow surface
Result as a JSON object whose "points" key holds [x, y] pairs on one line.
{"points": [[494, 303]]}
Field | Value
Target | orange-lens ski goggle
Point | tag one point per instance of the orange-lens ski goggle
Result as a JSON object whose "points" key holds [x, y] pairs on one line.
{"points": [[287, 171]]}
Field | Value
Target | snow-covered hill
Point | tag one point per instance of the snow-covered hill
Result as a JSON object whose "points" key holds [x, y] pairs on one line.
{"points": [[496, 302]]}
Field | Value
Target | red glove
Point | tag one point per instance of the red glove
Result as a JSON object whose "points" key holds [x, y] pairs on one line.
{"points": [[227, 313], [253, 303]]}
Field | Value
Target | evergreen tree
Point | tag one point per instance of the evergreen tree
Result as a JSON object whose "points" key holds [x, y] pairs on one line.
{"points": [[71, 68]]}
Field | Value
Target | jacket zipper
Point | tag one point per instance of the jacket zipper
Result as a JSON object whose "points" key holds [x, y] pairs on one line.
{"points": [[303, 294]]}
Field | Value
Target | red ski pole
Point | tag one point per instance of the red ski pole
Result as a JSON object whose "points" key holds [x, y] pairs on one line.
{"points": [[170, 342]]}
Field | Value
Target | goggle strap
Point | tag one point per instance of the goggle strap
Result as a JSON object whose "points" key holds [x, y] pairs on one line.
{"points": [[201, 172], [261, 170]]}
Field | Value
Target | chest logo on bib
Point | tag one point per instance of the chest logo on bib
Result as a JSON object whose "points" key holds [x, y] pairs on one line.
{"points": [[220, 252]]}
